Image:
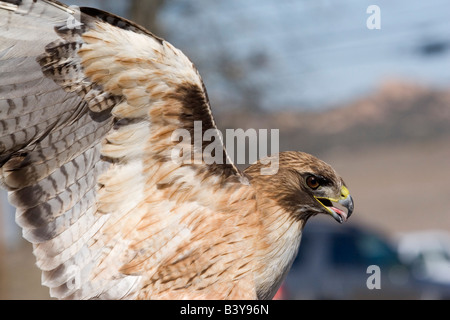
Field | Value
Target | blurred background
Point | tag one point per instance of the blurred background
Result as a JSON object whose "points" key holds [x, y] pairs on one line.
{"points": [[374, 103]]}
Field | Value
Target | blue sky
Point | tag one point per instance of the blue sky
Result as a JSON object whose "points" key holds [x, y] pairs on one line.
{"points": [[319, 53], [312, 54]]}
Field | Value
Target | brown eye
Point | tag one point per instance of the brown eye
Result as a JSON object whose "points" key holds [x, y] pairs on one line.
{"points": [[312, 182]]}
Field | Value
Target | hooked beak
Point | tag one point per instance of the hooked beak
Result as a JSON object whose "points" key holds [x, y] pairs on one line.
{"points": [[345, 200]]}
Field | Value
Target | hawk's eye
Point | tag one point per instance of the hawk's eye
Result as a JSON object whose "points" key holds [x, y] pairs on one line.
{"points": [[313, 182]]}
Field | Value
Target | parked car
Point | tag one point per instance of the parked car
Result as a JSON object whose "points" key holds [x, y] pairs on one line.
{"points": [[428, 253], [346, 261]]}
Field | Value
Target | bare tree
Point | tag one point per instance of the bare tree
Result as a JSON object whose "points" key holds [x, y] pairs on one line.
{"points": [[144, 12]]}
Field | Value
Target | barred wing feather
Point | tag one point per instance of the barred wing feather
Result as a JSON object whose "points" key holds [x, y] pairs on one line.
{"points": [[86, 119]]}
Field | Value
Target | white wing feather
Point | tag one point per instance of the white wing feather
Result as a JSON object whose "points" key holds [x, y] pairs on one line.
{"points": [[86, 117]]}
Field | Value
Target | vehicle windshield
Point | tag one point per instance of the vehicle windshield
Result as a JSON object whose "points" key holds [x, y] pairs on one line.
{"points": [[361, 249]]}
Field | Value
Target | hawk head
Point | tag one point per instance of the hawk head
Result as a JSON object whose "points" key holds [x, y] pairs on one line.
{"points": [[303, 185]]}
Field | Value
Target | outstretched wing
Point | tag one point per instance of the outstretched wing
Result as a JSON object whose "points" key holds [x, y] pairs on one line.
{"points": [[87, 115]]}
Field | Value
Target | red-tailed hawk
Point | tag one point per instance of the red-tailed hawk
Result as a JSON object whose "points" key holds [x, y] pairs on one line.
{"points": [[88, 104]]}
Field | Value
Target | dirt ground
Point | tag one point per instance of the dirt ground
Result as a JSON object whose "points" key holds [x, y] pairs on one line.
{"points": [[399, 188]]}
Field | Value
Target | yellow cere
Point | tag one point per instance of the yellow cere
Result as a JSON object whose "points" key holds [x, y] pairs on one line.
{"points": [[344, 192]]}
